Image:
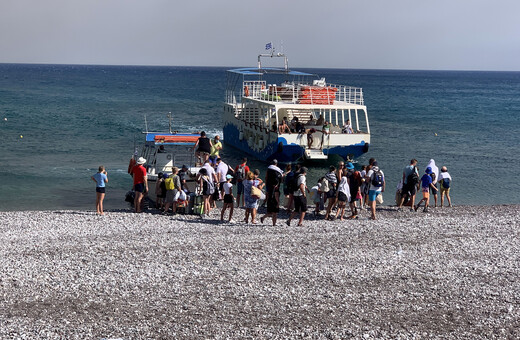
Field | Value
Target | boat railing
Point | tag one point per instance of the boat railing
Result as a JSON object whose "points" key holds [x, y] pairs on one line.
{"points": [[299, 93]]}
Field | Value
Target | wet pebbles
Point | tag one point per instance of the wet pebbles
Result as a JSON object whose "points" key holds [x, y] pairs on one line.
{"points": [[451, 273]]}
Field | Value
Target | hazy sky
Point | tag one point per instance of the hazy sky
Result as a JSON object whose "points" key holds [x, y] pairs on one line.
{"points": [[390, 34]]}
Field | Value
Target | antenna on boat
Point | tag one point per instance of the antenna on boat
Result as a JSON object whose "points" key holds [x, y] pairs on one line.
{"points": [[170, 122], [145, 123], [269, 46]]}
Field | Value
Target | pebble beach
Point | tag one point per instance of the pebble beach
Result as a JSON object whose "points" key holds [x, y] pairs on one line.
{"points": [[452, 273]]}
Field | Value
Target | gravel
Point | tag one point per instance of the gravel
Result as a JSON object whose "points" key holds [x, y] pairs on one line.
{"points": [[448, 274]]}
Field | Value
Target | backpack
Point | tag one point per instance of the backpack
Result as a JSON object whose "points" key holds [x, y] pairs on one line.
{"points": [[324, 185], [377, 179], [292, 184], [210, 186], [168, 182], [412, 178], [241, 172], [445, 183]]}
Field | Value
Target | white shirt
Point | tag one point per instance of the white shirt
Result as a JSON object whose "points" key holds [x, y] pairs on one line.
{"points": [[211, 171], [301, 180], [227, 188], [442, 176], [222, 170], [369, 175]]}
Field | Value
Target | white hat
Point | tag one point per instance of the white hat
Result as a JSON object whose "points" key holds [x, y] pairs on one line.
{"points": [[141, 160]]}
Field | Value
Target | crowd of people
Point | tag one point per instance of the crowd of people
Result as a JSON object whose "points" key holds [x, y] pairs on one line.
{"points": [[340, 189]]}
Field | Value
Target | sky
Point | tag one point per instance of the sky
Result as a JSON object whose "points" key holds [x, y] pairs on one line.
{"points": [[366, 34]]}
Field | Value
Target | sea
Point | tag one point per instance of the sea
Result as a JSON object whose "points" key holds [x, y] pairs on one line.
{"points": [[58, 123]]}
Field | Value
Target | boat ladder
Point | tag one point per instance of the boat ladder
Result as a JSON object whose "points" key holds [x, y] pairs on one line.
{"points": [[312, 154]]}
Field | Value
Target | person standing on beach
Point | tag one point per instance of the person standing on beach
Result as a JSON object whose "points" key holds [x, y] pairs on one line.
{"points": [[221, 173], [273, 180], [140, 183], [342, 195], [300, 198], [240, 174], [227, 189], [331, 194], [410, 181], [354, 183], [251, 202], [426, 185], [434, 175], [377, 186], [445, 181], [101, 179]]}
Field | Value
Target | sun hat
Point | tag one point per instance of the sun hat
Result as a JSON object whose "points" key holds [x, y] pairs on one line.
{"points": [[141, 160], [428, 170], [374, 163], [165, 176], [229, 176], [349, 166], [184, 166]]}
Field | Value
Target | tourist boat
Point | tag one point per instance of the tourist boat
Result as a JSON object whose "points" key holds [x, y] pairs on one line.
{"points": [[257, 100], [165, 150]]}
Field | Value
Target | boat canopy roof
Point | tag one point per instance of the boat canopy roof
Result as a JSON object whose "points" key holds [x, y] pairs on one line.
{"points": [[172, 138], [254, 71]]}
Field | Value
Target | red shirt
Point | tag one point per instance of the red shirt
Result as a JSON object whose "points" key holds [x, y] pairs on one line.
{"points": [[246, 170], [139, 173]]}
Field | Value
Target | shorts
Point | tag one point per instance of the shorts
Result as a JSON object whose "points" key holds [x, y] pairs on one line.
{"points": [[434, 191], [139, 187], [342, 197], [203, 152], [300, 203], [331, 193], [372, 194], [228, 198], [425, 193], [410, 189], [101, 190], [240, 188], [170, 195], [443, 190]]}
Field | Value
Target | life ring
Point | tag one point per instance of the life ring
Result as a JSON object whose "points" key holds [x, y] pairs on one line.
{"points": [[246, 90]]}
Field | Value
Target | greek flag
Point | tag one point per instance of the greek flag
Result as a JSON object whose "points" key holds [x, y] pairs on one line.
{"points": [[268, 46]]}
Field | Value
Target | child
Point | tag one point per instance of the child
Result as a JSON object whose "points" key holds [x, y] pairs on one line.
{"points": [[228, 198], [101, 179], [426, 184], [445, 181]]}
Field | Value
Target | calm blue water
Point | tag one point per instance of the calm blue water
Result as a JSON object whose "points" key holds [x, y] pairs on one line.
{"points": [[74, 118]]}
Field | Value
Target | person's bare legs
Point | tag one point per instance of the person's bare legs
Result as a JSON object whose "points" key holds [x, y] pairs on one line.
{"points": [[253, 216], [101, 198], [302, 216], [137, 201], [372, 209]]}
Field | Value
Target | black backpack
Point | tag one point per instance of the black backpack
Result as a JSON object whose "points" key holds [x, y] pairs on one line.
{"points": [[292, 184], [377, 179], [445, 183], [412, 178]]}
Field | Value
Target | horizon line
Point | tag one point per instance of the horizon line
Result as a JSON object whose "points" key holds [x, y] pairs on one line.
{"points": [[232, 67]]}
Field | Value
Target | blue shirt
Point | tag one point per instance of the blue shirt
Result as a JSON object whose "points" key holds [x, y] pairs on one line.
{"points": [[100, 179], [426, 180]]}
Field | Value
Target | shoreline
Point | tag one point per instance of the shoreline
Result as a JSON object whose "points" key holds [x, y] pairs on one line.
{"points": [[451, 273]]}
